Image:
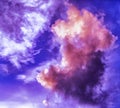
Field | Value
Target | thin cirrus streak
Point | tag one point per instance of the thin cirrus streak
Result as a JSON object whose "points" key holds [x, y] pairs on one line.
{"points": [[84, 40]]}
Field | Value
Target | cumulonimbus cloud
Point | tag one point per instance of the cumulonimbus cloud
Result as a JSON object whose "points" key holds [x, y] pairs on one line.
{"points": [[84, 40]]}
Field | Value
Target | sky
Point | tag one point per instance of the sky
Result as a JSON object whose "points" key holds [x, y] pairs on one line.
{"points": [[56, 54]]}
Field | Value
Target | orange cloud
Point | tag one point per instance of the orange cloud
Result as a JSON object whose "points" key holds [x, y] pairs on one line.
{"points": [[82, 37]]}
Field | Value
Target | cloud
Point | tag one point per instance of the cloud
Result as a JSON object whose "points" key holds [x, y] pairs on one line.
{"points": [[84, 40], [17, 105], [22, 23]]}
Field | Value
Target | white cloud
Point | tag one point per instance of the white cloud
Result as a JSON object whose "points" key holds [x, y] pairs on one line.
{"points": [[8, 46], [9, 104], [28, 77], [30, 2], [33, 21]]}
